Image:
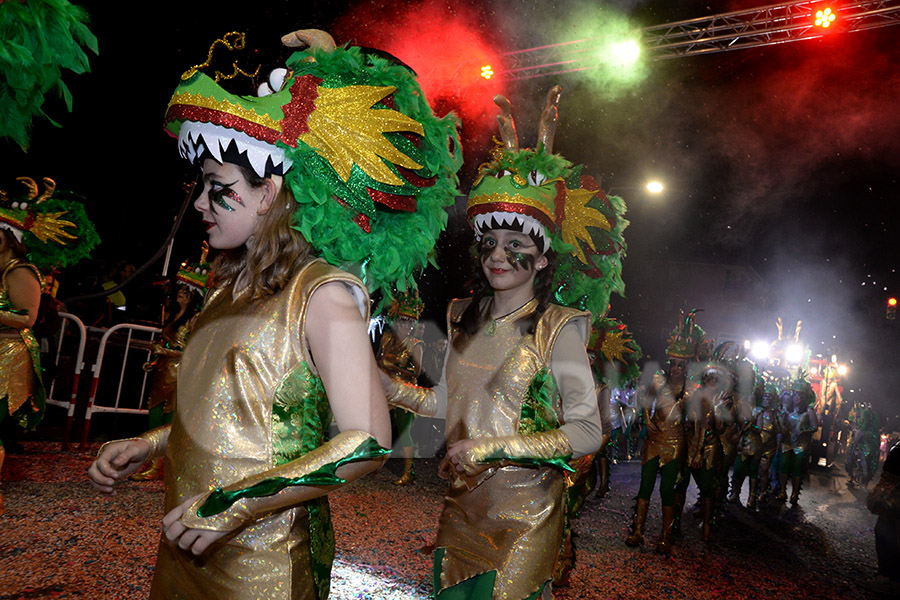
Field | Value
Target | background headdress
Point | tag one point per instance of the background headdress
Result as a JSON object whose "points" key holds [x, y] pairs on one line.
{"points": [[40, 38], [544, 195], [53, 225], [371, 168], [405, 305], [613, 345], [195, 274], [688, 340]]}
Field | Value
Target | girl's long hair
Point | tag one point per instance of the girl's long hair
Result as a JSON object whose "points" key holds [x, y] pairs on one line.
{"points": [[472, 318], [16, 247], [273, 254]]}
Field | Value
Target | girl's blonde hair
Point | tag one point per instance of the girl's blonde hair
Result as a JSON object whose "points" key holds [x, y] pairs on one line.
{"points": [[273, 254]]}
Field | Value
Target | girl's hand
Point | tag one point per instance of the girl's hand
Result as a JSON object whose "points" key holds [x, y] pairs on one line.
{"points": [[195, 540], [116, 461]]}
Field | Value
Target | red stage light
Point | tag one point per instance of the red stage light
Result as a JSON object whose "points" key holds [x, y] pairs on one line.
{"points": [[824, 18]]}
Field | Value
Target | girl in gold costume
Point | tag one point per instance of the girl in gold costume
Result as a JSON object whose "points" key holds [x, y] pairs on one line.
{"points": [[280, 347], [167, 354], [517, 388], [52, 232], [664, 451]]}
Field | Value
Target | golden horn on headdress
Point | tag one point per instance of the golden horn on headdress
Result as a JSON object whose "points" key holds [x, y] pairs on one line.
{"points": [[31, 185], [49, 188], [507, 125], [204, 251], [797, 331], [778, 324], [314, 38], [549, 117]]}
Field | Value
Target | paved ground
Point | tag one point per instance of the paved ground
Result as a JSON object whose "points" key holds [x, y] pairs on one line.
{"points": [[58, 539]]}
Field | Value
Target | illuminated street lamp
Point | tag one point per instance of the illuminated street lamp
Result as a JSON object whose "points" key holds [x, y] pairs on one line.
{"points": [[655, 187], [760, 351]]}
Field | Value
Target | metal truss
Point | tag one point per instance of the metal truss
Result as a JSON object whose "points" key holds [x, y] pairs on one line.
{"points": [[764, 26]]}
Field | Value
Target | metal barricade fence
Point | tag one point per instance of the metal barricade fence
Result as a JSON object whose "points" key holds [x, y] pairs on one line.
{"points": [[68, 404], [131, 342]]}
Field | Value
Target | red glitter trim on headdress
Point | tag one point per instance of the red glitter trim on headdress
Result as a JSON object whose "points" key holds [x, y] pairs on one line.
{"points": [[395, 201], [304, 93], [183, 112]]}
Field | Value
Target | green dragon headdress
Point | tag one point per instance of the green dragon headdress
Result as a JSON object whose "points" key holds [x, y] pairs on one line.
{"points": [[53, 225], [688, 340], [370, 166], [543, 195], [195, 275]]}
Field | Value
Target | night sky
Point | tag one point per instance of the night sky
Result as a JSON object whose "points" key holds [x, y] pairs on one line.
{"points": [[783, 158]]}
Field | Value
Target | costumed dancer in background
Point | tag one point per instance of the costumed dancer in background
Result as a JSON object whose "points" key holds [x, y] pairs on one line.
{"points": [[702, 427], [798, 427], [663, 407], [734, 412], [749, 451], [614, 356], [862, 458], [39, 230], [884, 501], [326, 168], [769, 425], [400, 356], [190, 287], [517, 385]]}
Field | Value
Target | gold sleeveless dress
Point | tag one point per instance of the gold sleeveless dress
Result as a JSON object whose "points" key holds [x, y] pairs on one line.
{"points": [[248, 400], [21, 386], [512, 521]]}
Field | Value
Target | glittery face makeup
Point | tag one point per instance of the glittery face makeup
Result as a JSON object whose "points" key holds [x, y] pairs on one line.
{"points": [[229, 204], [509, 259]]}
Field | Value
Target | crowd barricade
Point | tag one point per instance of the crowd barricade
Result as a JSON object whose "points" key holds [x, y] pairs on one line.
{"points": [[68, 403], [137, 338]]}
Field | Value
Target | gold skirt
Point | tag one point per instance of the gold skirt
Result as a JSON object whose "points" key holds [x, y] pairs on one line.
{"points": [[18, 382]]}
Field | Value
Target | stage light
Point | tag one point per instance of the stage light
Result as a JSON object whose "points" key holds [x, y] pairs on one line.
{"points": [[824, 18], [655, 187], [626, 53], [487, 72], [760, 350], [842, 370], [794, 353]]}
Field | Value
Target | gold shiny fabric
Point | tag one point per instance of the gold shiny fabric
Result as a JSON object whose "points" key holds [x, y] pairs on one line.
{"points": [[512, 521], [395, 357], [239, 353], [165, 374], [18, 373], [666, 441]]}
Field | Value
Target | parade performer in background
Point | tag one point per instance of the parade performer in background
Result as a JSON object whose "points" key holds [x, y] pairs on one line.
{"points": [[517, 386], [769, 425], [862, 457], [49, 231], [338, 162], [400, 356], [614, 356], [702, 426], [734, 413], [190, 287], [798, 427], [662, 405], [749, 451]]}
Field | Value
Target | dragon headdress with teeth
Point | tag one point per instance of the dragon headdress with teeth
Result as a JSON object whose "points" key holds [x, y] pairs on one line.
{"points": [[371, 168], [547, 197], [53, 225]]}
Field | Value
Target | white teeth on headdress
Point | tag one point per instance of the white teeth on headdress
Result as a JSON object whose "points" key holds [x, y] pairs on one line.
{"points": [[528, 225], [196, 137]]}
